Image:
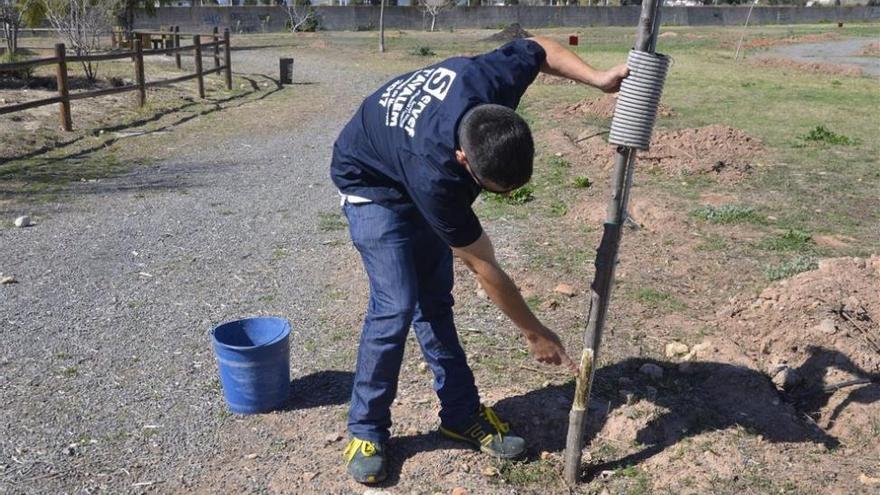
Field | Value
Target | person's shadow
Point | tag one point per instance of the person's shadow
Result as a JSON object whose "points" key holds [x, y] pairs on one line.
{"points": [[700, 397]]}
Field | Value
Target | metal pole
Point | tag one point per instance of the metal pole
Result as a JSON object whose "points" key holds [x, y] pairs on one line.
{"points": [[606, 259]]}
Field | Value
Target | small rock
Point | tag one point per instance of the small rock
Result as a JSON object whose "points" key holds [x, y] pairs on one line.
{"points": [[557, 154], [465, 468], [71, 449], [459, 491], [8, 280], [22, 221], [652, 370], [482, 294], [309, 475], [605, 474], [332, 437], [423, 367], [373, 491], [546, 455], [489, 471], [827, 326], [546, 383], [674, 349], [550, 304], [251, 456], [868, 480], [566, 290], [786, 379], [627, 396]]}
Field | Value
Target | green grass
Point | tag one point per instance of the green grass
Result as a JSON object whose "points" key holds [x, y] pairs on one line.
{"points": [[729, 214], [518, 196], [582, 182], [790, 267], [822, 135], [658, 299], [331, 221], [526, 473], [791, 240]]}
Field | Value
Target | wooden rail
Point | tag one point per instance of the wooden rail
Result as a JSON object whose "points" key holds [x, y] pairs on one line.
{"points": [[172, 38]]}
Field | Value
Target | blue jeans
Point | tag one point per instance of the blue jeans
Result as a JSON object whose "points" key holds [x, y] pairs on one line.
{"points": [[410, 273]]}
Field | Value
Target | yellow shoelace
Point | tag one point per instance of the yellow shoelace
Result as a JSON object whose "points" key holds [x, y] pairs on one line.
{"points": [[366, 448], [489, 415]]}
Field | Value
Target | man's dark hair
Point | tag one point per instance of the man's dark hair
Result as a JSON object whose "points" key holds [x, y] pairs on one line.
{"points": [[498, 145]]}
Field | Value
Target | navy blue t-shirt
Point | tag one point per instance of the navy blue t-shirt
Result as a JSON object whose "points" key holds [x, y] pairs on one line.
{"points": [[399, 148]]}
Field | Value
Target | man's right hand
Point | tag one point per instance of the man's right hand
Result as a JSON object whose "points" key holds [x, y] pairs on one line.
{"points": [[548, 349]]}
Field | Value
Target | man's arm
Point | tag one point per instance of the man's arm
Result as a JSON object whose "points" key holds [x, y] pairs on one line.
{"points": [[564, 63], [543, 343]]}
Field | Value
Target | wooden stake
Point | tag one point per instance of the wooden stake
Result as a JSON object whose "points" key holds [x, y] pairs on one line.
{"points": [[227, 59], [606, 260], [177, 45], [215, 39], [61, 81], [198, 56], [139, 73]]}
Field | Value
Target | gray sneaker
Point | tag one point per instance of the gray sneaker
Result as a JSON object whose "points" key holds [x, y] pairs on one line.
{"points": [[485, 431], [365, 461]]}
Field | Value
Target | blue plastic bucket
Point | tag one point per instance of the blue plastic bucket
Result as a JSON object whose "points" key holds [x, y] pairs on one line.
{"points": [[253, 356]]}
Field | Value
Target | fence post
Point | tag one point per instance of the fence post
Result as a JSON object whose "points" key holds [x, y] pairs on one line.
{"points": [[197, 43], [139, 73], [177, 45], [227, 59], [215, 39], [61, 80]]}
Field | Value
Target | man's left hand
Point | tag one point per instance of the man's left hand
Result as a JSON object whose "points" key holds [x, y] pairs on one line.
{"points": [[609, 80]]}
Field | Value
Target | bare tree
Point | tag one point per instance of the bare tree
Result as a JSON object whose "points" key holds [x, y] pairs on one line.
{"points": [[82, 23], [15, 14], [301, 15], [433, 9], [382, 27]]}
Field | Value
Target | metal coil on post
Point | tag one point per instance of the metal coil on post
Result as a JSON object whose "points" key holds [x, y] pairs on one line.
{"points": [[639, 98]]}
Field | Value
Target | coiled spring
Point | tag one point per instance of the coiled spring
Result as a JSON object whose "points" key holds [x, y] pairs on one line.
{"points": [[639, 97]]}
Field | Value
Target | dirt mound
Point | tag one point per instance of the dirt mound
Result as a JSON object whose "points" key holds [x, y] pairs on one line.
{"points": [[813, 67], [510, 33], [718, 150], [814, 331], [551, 80], [603, 106], [870, 50], [836, 306], [771, 42]]}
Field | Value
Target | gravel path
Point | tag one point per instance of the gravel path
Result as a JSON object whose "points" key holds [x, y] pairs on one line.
{"points": [[107, 379], [834, 52]]}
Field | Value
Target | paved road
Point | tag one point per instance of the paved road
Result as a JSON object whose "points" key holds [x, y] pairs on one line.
{"points": [[106, 375], [834, 52]]}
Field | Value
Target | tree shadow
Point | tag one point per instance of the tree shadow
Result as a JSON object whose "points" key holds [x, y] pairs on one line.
{"points": [[322, 388], [700, 397]]}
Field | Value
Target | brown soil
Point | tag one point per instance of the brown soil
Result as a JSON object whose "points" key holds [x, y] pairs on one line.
{"points": [[825, 325], [510, 33], [551, 80], [717, 150], [749, 44], [603, 106], [814, 67], [870, 50]]}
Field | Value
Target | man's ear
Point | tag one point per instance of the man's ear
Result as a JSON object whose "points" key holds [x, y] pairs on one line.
{"points": [[461, 158]]}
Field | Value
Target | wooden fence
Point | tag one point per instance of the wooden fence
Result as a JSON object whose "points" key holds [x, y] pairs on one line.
{"points": [[61, 59]]}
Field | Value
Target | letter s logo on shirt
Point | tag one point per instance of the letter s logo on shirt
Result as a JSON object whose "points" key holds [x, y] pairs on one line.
{"points": [[439, 83]]}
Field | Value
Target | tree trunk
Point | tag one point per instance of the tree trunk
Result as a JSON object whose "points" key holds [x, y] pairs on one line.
{"points": [[433, 21], [382, 27]]}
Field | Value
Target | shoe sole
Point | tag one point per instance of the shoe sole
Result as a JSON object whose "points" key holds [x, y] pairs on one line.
{"points": [[477, 445], [370, 480]]}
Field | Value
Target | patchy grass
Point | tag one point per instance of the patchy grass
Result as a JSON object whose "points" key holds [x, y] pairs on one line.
{"points": [[518, 196], [729, 214], [658, 299], [582, 182], [822, 135], [526, 473], [331, 221], [790, 268], [791, 240]]}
